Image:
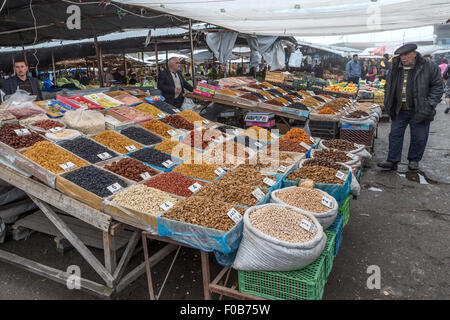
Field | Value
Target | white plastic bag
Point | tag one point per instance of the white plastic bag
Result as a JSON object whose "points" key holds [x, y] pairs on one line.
{"points": [[260, 252], [188, 104], [21, 105], [326, 219], [295, 60], [89, 122]]}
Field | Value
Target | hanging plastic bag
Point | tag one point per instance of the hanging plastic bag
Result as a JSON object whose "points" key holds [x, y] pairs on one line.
{"points": [[295, 60], [188, 104], [21, 105]]}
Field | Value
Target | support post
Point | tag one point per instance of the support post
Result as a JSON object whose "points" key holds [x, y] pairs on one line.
{"points": [[156, 56], [192, 54], [53, 67]]}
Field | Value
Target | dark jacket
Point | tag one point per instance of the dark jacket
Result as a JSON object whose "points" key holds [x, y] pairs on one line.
{"points": [[426, 89], [167, 86], [446, 75], [10, 86]]}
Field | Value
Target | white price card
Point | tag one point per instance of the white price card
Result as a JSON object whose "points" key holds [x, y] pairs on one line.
{"points": [[312, 139], [282, 169], [306, 146], [67, 166], [258, 194], [218, 139], [195, 187], [56, 130], [114, 187], [172, 133], [219, 171], [234, 215], [311, 92], [205, 121], [341, 175], [269, 182], [145, 175], [131, 148], [308, 226], [351, 155], [258, 145], [161, 115], [167, 164], [176, 110], [166, 205], [273, 135], [327, 202], [22, 132], [104, 156], [358, 145]]}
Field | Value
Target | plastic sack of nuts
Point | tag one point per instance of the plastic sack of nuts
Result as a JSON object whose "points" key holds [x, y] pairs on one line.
{"points": [[347, 146], [316, 202], [86, 121], [20, 104], [279, 238]]}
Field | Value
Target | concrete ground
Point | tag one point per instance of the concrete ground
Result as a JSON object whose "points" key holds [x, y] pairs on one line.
{"points": [[404, 230]]}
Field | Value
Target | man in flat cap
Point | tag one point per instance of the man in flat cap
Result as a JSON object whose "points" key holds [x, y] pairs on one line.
{"points": [[413, 90]]}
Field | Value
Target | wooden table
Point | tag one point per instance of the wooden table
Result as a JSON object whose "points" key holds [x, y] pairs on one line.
{"points": [[50, 200]]}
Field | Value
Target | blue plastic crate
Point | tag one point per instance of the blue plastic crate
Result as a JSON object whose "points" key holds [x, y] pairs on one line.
{"points": [[337, 228]]}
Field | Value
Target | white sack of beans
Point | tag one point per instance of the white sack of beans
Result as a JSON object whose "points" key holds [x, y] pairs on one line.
{"points": [[275, 239], [310, 202]]}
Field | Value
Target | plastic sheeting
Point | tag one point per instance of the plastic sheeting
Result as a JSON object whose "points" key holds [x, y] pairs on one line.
{"points": [[307, 17], [271, 49], [222, 44]]}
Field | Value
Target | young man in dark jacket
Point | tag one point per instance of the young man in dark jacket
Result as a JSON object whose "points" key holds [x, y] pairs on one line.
{"points": [[172, 84], [413, 90], [22, 81]]}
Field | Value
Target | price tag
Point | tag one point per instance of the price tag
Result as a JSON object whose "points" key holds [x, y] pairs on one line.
{"points": [[166, 205], [67, 166], [172, 133], [308, 226], [237, 132], [258, 194], [167, 164], [327, 202], [205, 121], [195, 187], [145, 175], [351, 155], [114, 187], [306, 146], [312, 139], [311, 92], [341, 175], [218, 139], [131, 148], [56, 130], [22, 132], [104, 156], [176, 110], [273, 135], [269, 182], [282, 169], [234, 215], [219, 171], [358, 145], [258, 145], [161, 115]]}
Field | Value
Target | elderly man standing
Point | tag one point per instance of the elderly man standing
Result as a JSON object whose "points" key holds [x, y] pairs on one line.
{"points": [[172, 84], [413, 90]]}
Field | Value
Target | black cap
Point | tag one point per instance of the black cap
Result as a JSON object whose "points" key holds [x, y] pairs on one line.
{"points": [[407, 48]]}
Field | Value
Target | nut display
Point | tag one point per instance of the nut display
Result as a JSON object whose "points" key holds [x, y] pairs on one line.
{"points": [[201, 171], [174, 183], [289, 146], [51, 157], [151, 110], [191, 116], [339, 144], [141, 135], [35, 118], [282, 224], [327, 110], [357, 114], [159, 128], [144, 199], [132, 114], [323, 163], [48, 124], [258, 133], [25, 112], [317, 174], [177, 149], [250, 143], [337, 104], [87, 149], [5, 115], [115, 141], [298, 135], [165, 107], [228, 130], [202, 138], [95, 180], [245, 174], [85, 121], [269, 155], [154, 157], [308, 200], [178, 122], [12, 139], [203, 211], [332, 155], [130, 168]]}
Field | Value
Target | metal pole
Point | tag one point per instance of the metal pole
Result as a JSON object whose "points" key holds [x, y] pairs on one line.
{"points": [[167, 60], [125, 68], [53, 66], [14, 70], [192, 54], [156, 56], [99, 62]]}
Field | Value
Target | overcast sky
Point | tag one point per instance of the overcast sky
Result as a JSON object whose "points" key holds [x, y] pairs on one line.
{"points": [[408, 35]]}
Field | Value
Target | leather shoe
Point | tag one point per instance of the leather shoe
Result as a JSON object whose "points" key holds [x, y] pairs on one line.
{"points": [[447, 110], [413, 165], [388, 165]]}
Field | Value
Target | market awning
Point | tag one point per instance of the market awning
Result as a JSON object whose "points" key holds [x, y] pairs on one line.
{"points": [[307, 17], [24, 22]]}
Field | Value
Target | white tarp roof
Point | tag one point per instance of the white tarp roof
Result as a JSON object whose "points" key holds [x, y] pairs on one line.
{"points": [[307, 17]]}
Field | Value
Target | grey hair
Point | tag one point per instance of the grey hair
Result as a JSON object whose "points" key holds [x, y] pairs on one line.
{"points": [[172, 59]]}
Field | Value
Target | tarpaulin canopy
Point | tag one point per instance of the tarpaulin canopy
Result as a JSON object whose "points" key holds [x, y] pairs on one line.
{"points": [[307, 17]]}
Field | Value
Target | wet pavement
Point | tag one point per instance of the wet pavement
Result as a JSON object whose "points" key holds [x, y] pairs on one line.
{"points": [[400, 223]]}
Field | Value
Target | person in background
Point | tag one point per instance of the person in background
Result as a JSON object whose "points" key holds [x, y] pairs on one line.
{"points": [[372, 73], [318, 70], [385, 66], [443, 66], [188, 78], [84, 80], [446, 76], [428, 57], [413, 90], [353, 70], [119, 77], [439, 61], [172, 84], [365, 69], [133, 80], [108, 77], [22, 80]]}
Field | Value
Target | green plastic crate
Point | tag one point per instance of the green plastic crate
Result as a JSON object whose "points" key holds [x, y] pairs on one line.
{"points": [[344, 209], [305, 284], [328, 252]]}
